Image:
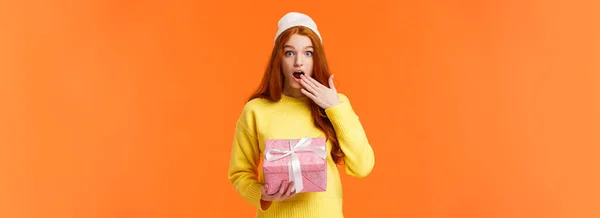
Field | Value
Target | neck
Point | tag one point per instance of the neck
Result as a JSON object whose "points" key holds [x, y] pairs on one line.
{"points": [[291, 92], [291, 95]]}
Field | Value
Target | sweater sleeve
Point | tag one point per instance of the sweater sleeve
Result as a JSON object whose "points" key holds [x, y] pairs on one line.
{"points": [[359, 157], [244, 160]]}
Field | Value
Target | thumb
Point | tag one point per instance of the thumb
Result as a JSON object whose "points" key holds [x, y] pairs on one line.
{"points": [[331, 86]]}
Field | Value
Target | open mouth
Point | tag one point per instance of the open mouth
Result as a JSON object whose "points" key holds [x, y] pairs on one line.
{"points": [[298, 74]]}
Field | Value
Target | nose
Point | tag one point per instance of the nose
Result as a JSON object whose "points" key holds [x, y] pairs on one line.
{"points": [[299, 61]]}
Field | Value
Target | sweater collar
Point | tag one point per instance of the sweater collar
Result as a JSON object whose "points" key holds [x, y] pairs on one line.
{"points": [[290, 99]]}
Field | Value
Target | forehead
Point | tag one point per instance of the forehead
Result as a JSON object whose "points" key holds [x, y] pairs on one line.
{"points": [[298, 42]]}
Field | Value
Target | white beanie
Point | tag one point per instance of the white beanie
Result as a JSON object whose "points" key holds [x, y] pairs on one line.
{"points": [[293, 19]]}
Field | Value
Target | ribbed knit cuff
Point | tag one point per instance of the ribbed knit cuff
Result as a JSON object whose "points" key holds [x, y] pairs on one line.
{"points": [[339, 115], [254, 194]]}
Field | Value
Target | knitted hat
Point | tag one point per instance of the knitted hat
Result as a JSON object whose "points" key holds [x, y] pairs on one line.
{"points": [[293, 19]]}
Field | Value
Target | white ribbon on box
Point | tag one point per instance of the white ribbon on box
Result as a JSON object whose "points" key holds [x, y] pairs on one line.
{"points": [[295, 172]]}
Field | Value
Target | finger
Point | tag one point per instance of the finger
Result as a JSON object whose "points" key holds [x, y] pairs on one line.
{"points": [[282, 188], [315, 82], [289, 189], [309, 81], [310, 95], [331, 86], [308, 87], [292, 192], [265, 193]]}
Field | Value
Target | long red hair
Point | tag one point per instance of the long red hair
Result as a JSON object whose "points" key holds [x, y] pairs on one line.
{"points": [[271, 86]]}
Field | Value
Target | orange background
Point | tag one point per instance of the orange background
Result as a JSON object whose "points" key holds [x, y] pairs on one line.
{"points": [[127, 108]]}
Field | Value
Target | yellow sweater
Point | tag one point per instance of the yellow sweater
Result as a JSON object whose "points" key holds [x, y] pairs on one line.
{"points": [[291, 118]]}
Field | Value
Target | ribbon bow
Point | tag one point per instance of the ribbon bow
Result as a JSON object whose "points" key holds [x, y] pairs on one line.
{"points": [[295, 172]]}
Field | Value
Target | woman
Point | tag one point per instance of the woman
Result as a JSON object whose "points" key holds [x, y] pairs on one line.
{"points": [[297, 98]]}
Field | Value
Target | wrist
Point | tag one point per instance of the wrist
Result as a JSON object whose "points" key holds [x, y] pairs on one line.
{"points": [[333, 105]]}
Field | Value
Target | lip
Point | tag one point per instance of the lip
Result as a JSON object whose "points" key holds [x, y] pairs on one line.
{"points": [[295, 73]]}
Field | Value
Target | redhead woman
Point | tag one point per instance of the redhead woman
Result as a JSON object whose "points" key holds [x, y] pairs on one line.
{"points": [[297, 98]]}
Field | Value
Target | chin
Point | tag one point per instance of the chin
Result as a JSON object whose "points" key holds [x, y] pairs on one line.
{"points": [[294, 84]]}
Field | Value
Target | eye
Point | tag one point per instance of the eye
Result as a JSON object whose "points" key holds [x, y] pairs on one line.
{"points": [[309, 53], [289, 53]]}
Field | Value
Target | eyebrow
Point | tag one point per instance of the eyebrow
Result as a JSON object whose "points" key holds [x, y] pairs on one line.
{"points": [[289, 46]]}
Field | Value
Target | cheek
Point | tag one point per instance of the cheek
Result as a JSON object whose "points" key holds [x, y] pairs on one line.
{"points": [[286, 65], [286, 70], [310, 67]]}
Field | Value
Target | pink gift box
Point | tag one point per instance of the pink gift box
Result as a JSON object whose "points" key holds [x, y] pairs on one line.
{"points": [[311, 155]]}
